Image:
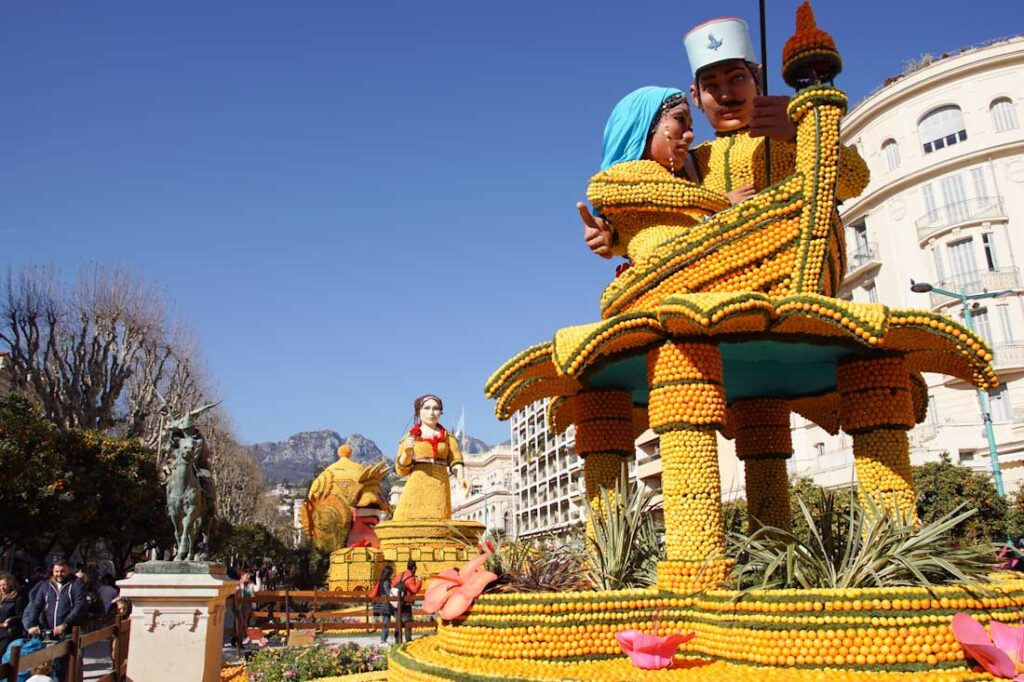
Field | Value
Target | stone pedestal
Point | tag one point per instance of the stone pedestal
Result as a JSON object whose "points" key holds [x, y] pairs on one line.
{"points": [[177, 620]]}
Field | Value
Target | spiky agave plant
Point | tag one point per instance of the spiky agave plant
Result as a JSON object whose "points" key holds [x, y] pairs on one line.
{"points": [[881, 548], [525, 567], [623, 546]]}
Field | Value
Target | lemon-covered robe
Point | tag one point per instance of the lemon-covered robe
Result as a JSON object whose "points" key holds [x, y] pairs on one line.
{"points": [[735, 159], [647, 204], [427, 496]]}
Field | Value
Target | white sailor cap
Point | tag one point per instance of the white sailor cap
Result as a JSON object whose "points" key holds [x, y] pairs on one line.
{"points": [[717, 41]]}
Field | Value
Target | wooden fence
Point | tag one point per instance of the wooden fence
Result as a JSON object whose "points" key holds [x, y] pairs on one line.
{"points": [[329, 611], [117, 634]]}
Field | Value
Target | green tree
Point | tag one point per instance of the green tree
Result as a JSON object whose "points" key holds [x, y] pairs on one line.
{"points": [[1015, 514], [73, 489], [33, 489], [245, 544], [942, 485]]}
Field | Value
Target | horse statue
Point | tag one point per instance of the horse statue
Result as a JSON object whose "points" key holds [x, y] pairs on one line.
{"points": [[189, 484]]}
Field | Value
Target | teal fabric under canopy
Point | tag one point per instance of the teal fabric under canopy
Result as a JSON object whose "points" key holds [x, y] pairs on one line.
{"points": [[753, 369]]}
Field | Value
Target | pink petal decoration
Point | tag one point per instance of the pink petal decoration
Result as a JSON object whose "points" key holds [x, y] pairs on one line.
{"points": [[438, 588], [651, 652], [452, 592], [1009, 638], [976, 643], [461, 598]]}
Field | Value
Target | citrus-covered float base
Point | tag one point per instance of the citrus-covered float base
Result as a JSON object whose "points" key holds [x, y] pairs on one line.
{"points": [[435, 546], [423, 661], [870, 634]]}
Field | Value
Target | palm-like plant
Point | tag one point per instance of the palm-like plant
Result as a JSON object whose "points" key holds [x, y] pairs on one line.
{"points": [[523, 567], [881, 548], [623, 544]]}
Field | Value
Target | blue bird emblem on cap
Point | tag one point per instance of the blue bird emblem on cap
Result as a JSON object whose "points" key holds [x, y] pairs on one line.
{"points": [[713, 42]]}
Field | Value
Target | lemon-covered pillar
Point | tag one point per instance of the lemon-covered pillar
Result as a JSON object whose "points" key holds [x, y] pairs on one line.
{"points": [[687, 405], [876, 407], [604, 439], [763, 443]]}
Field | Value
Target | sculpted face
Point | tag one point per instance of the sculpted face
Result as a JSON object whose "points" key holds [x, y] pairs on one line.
{"points": [[725, 93], [671, 138], [430, 413]]}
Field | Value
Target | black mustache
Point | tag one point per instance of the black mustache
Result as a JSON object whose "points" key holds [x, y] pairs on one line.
{"points": [[729, 105]]}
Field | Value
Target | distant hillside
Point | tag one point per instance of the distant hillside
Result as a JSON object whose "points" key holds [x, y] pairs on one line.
{"points": [[304, 455], [471, 445]]}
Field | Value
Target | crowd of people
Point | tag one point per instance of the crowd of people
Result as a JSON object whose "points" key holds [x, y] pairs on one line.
{"points": [[47, 606]]}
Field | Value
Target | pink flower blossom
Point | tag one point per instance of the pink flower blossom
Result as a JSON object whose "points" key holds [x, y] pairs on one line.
{"points": [[1002, 655], [452, 592], [651, 652]]}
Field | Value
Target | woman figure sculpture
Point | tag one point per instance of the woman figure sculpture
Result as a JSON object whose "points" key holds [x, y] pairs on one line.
{"points": [[644, 188], [426, 456]]}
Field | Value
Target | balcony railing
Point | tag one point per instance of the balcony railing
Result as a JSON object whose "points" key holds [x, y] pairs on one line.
{"points": [[1010, 354], [960, 212], [864, 253], [976, 282]]}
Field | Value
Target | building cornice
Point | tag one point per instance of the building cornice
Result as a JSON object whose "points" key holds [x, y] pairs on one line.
{"points": [[856, 208], [1006, 54]]}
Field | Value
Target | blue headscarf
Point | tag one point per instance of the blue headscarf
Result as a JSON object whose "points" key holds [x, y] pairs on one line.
{"points": [[625, 135]]}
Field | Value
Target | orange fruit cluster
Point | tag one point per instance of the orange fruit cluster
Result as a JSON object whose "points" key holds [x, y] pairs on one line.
{"points": [[604, 438], [762, 428], [767, 487], [686, 577], [579, 345], [882, 463], [809, 314], [647, 204], [971, 348], [686, 386], [692, 496], [425, 660], [875, 393], [869, 632]]}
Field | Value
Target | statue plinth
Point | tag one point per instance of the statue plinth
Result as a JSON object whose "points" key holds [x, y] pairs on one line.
{"points": [[435, 546], [177, 620]]}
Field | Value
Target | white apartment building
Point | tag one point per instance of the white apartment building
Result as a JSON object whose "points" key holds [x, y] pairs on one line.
{"points": [[488, 498], [549, 496], [946, 206]]}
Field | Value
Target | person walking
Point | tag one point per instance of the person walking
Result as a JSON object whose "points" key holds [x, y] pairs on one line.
{"points": [[383, 610], [408, 586]]}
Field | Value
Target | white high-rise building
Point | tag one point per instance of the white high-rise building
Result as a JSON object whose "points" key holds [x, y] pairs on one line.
{"points": [[549, 499], [945, 205]]}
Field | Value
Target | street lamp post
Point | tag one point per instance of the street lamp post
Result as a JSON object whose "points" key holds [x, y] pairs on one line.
{"points": [[986, 416]]}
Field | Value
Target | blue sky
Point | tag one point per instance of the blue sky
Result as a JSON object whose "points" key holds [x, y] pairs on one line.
{"points": [[351, 202]]}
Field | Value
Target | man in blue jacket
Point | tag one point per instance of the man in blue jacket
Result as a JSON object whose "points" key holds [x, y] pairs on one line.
{"points": [[57, 604]]}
